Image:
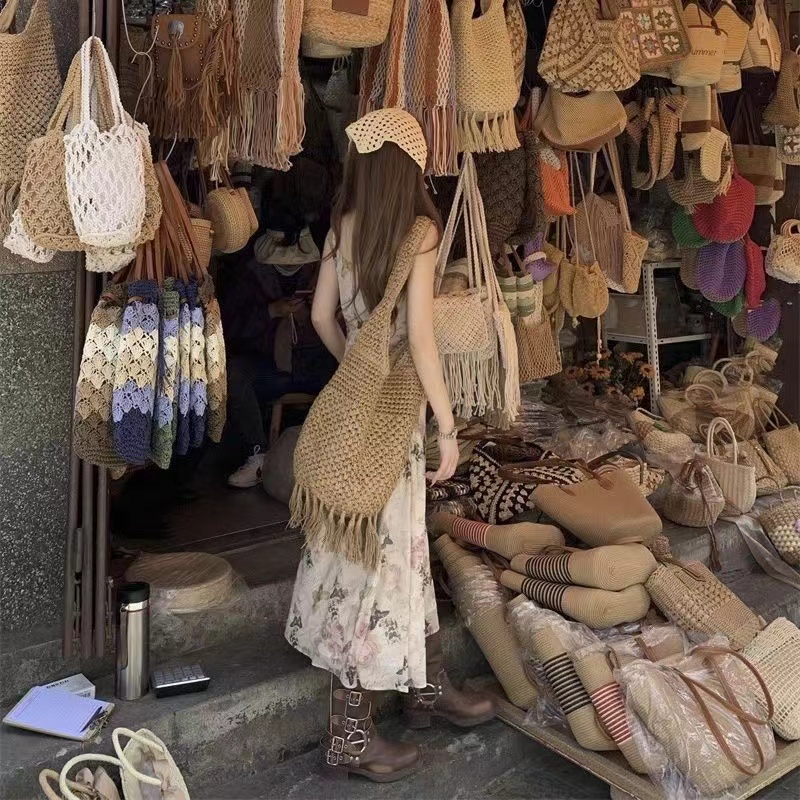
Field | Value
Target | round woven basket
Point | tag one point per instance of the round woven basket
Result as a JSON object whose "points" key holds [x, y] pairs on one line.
{"points": [[327, 26], [203, 239], [230, 219], [182, 583]]}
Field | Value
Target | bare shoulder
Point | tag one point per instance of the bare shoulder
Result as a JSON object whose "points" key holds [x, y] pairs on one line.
{"points": [[431, 240]]}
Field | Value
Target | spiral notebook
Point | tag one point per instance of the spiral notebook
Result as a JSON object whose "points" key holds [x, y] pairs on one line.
{"points": [[58, 713]]}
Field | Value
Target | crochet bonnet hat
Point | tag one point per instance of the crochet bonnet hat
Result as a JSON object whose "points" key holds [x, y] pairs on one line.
{"points": [[370, 133]]}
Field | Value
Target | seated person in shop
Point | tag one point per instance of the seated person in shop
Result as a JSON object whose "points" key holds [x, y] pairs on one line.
{"points": [[272, 346]]}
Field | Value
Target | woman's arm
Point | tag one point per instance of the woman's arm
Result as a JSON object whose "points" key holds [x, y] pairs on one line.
{"points": [[326, 303], [425, 352]]}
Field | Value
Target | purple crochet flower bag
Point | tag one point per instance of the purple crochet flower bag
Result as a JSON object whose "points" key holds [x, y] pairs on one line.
{"points": [[535, 260], [721, 270]]}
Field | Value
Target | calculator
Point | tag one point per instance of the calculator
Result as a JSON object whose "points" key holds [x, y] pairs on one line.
{"points": [[170, 681]]}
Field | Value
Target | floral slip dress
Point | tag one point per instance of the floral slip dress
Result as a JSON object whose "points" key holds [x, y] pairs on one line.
{"points": [[369, 629]]}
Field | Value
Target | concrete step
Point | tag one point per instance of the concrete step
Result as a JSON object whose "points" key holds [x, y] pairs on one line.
{"points": [[33, 658], [456, 764], [265, 702], [766, 596]]}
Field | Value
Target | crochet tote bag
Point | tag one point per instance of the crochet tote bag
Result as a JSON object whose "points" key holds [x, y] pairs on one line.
{"points": [[783, 255], [473, 329], [588, 48], [345, 474], [736, 479], [104, 169]]}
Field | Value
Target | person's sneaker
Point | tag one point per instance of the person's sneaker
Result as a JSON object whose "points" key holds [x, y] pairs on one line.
{"points": [[249, 474]]}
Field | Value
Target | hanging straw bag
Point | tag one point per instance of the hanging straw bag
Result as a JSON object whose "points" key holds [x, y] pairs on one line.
{"points": [[555, 181], [691, 596], [783, 255], [104, 169], [736, 480], [230, 213], [782, 442], [781, 523], [660, 32], [587, 47], [762, 51], [694, 498], [487, 89], [703, 65], [473, 329], [347, 23], [758, 163], [775, 653]]}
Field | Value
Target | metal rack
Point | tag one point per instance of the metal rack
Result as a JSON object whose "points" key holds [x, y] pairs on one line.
{"points": [[651, 339]]}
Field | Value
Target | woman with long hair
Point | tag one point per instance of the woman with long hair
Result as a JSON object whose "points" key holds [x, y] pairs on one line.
{"points": [[377, 629]]}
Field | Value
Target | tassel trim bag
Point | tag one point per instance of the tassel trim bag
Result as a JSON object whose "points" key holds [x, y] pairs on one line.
{"points": [[473, 329], [345, 475]]}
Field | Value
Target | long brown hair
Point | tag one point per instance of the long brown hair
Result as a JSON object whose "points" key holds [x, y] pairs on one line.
{"points": [[384, 191]]}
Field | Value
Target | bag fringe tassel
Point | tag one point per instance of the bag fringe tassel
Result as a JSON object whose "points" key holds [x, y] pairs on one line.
{"points": [[495, 133], [473, 380], [352, 536]]}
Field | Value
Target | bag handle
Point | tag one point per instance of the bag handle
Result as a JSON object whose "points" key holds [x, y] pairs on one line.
{"points": [[600, 460], [8, 15], [577, 169], [91, 49], [711, 447], [611, 156], [508, 472], [700, 388], [123, 759], [731, 704], [712, 374], [66, 786]]}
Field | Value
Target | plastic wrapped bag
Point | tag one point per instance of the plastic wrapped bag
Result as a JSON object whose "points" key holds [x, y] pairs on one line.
{"points": [[706, 717]]}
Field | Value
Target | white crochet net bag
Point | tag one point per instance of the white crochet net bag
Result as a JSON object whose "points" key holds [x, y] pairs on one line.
{"points": [[18, 242], [104, 169]]}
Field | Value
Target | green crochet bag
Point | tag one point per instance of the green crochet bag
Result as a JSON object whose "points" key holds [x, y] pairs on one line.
{"points": [[684, 231]]}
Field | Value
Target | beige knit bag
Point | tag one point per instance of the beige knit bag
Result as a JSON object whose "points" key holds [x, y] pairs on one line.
{"points": [[781, 523], [487, 89], [29, 87], [345, 474], [762, 51], [775, 652], [473, 329], [657, 436], [694, 497], [703, 65], [691, 596], [736, 480]]}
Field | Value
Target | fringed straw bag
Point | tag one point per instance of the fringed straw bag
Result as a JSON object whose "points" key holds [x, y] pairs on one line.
{"points": [[487, 89], [473, 329], [345, 475]]}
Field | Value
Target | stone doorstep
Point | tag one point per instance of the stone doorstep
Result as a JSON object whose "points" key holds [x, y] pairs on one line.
{"points": [[456, 763], [265, 702]]}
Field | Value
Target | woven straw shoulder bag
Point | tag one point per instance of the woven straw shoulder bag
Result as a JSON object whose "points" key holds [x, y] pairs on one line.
{"points": [[487, 89], [762, 51], [473, 329], [586, 52], [775, 652], [657, 436], [782, 442], [781, 523], [694, 497], [691, 596], [347, 23], [340, 491]]}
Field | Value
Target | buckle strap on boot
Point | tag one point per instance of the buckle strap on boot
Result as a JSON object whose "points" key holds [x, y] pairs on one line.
{"points": [[428, 695], [349, 748]]}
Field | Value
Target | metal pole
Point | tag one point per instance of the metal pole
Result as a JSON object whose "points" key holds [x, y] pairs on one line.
{"points": [[87, 506]]}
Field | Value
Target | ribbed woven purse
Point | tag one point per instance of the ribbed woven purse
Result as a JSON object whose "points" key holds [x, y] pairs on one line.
{"points": [[691, 596], [694, 497], [781, 523], [658, 436], [775, 652]]}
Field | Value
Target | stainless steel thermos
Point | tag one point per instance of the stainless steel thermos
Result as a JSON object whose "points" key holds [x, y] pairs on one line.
{"points": [[133, 641]]}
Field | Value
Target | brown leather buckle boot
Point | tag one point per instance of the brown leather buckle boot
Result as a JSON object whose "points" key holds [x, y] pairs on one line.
{"points": [[353, 746], [441, 699]]}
